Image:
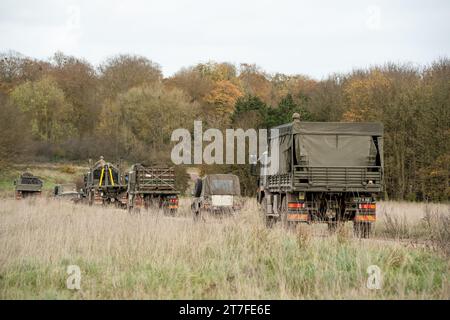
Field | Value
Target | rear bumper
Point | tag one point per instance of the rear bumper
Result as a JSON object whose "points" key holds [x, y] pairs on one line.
{"points": [[365, 218], [222, 208], [20, 194], [298, 217]]}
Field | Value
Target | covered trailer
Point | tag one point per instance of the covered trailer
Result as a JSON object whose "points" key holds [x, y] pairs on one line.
{"points": [[328, 171], [152, 186], [66, 191]]}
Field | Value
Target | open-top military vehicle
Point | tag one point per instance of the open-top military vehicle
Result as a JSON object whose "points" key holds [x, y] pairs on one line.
{"points": [[328, 172], [27, 185], [105, 183], [66, 191], [152, 186], [216, 194]]}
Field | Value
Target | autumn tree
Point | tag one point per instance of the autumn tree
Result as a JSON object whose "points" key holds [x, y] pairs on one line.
{"points": [[254, 82], [48, 113], [16, 69], [140, 122], [217, 71], [298, 86], [78, 80], [70, 109], [433, 131], [222, 100], [326, 103], [390, 95], [13, 132], [193, 82], [121, 73]]}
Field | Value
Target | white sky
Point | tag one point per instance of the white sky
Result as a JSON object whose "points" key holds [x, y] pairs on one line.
{"points": [[315, 38]]}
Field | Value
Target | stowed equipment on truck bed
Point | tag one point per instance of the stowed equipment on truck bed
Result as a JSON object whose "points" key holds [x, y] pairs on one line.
{"points": [[27, 185], [105, 183], [328, 172]]}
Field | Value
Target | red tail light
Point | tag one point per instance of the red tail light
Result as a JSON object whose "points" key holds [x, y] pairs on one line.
{"points": [[366, 206], [296, 205]]}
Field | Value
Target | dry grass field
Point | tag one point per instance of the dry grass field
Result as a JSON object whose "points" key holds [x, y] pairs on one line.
{"points": [[152, 256]]}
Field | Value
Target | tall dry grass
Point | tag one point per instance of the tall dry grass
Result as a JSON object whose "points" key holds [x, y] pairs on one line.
{"points": [[149, 255], [427, 222]]}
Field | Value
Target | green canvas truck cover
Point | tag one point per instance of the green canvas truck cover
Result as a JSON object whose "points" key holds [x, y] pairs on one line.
{"points": [[329, 143], [221, 184]]}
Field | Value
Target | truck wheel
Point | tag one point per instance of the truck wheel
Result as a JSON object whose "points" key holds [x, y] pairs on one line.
{"points": [[199, 215], [195, 211], [196, 216], [367, 229], [362, 229], [269, 221], [332, 225], [283, 214], [90, 198]]}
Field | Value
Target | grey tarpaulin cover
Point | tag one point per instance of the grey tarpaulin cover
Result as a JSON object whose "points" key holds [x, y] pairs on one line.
{"points": [[221, 184], [328, 143]]}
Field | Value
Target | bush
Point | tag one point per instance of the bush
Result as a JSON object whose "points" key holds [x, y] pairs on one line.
{"points": [[68, 169]]}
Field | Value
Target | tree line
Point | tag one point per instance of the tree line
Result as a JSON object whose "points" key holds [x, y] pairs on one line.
{"points": [[64, 108]]}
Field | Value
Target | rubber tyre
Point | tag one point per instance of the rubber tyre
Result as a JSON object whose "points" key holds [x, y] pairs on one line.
{"points": [[362, 229]]}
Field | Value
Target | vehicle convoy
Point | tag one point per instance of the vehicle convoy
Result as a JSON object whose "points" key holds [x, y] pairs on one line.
{"points": [[328, 172], [105, 183], [27, 185], [66, 191], [216, 194], [152, 186]]}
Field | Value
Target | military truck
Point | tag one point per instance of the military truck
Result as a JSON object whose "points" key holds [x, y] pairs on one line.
{"points": [[152, 186], [105, 183], [27, 185], [66, 191], [216, 194], [328, 172]]}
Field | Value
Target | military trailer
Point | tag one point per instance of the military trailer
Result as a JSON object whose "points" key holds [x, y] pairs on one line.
{"points": [[328, 172], [27, 185], [105, 183], [152, 186], [66, 191], [216, 194]]}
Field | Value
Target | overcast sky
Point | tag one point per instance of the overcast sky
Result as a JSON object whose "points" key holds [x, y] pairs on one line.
{"points": [[315, 38]]}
